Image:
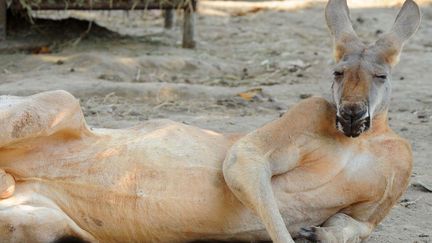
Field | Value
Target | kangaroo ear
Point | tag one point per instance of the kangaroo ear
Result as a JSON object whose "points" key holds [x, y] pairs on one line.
{"points": [[339, 23], [406, 24]]}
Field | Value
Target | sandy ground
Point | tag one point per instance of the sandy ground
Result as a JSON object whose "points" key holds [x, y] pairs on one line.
{"points": [[276, 57]]}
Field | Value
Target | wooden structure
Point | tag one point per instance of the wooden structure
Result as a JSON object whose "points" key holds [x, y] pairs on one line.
{"points": [[3, 19], [188, 6]]}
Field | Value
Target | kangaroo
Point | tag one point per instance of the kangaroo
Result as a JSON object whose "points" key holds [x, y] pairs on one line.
{"points": [[327, 170]]}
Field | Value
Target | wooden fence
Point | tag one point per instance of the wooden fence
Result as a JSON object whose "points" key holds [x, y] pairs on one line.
{"points": [[188, 6]]}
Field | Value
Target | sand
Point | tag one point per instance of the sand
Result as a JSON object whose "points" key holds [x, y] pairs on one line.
{"points": [[274, 58]]}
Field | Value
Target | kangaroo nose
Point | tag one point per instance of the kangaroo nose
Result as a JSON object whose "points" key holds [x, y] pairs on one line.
{"points": [[353, 111]]}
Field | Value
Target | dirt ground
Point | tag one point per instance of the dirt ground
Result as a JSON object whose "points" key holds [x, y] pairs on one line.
{"points": [[274, 58]]}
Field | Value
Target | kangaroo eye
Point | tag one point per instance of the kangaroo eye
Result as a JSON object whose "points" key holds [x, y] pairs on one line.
{"points": [[381, 76], [338, 74]]}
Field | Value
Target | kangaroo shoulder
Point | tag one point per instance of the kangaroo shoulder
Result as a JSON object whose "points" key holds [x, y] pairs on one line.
{"points": [[395, 150]]}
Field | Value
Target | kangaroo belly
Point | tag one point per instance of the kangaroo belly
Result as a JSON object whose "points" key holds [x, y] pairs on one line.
{"points": [[160, 184]]}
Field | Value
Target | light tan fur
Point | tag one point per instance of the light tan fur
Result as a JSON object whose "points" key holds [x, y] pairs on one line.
{"points": [[298, 176]]}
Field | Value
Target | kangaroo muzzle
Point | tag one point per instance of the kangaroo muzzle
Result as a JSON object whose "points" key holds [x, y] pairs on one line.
{"points": [[353, 119]]}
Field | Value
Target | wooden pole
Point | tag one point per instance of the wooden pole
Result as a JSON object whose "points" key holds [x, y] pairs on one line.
{"points": [[189, 28], [3, 13], [169, 18]]}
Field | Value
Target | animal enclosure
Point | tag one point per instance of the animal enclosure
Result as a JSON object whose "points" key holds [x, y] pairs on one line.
{"points": [[188, 7]]}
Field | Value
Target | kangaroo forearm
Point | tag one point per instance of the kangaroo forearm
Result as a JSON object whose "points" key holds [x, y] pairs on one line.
{"points": [[250, 181]]}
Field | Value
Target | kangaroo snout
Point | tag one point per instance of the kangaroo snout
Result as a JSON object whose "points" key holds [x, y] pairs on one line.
{"points": [[353, 111], [353, 118]]}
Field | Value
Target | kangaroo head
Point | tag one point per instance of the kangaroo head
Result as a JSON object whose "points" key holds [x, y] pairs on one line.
{"points": [[362, 74]]}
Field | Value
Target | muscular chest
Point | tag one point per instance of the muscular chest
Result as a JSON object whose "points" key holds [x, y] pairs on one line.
{"points": [[337, 174]]}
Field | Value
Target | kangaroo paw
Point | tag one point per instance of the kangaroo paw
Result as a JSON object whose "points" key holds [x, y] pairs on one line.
{"points": [[7, 185], [310, 233]]}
